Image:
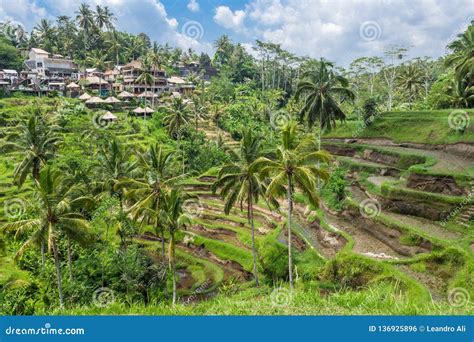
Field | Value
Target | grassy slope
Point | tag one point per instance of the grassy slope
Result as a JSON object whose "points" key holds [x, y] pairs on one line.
{"points": [[426, 127]]}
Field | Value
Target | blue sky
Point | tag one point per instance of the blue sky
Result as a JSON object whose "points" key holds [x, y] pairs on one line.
{"points": [[340, 30]]}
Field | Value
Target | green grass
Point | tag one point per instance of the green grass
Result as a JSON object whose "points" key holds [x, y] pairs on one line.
{"points": [[426, 127]]}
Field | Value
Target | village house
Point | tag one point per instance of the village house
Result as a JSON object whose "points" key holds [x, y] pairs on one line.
{"points": [[43, 65], [8, 76], [131, 71]]}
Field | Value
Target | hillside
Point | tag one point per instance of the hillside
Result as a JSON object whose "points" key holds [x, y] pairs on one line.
{"points": [[391, 247]]}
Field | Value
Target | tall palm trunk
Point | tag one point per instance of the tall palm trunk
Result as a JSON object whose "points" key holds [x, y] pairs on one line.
{"points": [[69, 258], [58, 274], [290, 210], [43, 259], [163, 254], [173, 265], [254, 251]]}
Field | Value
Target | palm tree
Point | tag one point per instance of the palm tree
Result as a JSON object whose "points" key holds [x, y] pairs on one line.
{"points": [[239, 183], [321, 88], [154, 59], [85, 20], [114, 165], [176, 117], [58, 196], [175, 219], [109, 18], [98, 59], [296, 167], [46, 32], [146, 77], [410, 79], [199, 109], [148, 190], [463, 57], [115, 46], [38, 140]]}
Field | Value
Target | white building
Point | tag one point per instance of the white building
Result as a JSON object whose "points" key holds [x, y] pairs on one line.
{"points": [[47, 66], [8, 76]]}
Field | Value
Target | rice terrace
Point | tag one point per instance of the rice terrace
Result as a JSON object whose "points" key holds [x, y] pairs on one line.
{"points": [[141, 177]]}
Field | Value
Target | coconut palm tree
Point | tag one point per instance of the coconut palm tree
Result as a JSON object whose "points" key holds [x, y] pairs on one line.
{"points": [[46, 33], [114, 164], [463, 57], [321, 90], [239, 184], [148, 190], [199, 109], [115, 46], [410, 79], [85, 20], [154, 59], [57, 197], [296, 167], [174, 219], [98, 59], [104, 17], [176, 117], [147, 78], [38, 139]]}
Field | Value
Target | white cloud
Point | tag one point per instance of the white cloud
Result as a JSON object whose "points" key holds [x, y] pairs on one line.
{"points": [[331, 28], [193, 6], [230, 20]]}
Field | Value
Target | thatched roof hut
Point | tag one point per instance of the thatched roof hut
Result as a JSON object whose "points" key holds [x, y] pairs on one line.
{"points": [[73, 85], [108, 116], [84, 97], [94, 100], [140, 110], [125, 95], [111, 99]]}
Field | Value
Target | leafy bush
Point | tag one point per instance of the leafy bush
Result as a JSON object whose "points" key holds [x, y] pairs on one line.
{"points": [[335, 188]]}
